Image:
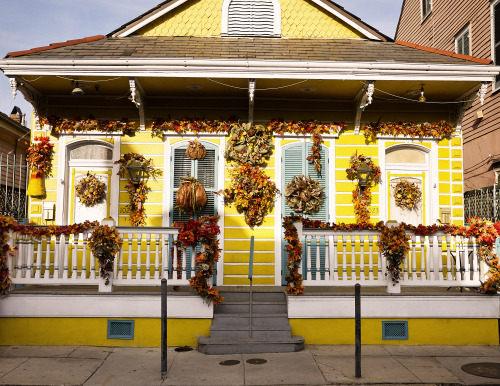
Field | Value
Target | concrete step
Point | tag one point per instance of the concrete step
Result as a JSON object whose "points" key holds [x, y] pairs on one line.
{"points": [[242, 319], [257, 332], [278, 296], [212, 346], [258, 307]]}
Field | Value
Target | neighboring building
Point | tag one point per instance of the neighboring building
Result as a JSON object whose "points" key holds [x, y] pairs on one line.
{"points": [[13, 170], [257, 60], [466, 27]]}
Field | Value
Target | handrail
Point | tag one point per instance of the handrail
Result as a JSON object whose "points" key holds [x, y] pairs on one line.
{"points": [[250, 277]]}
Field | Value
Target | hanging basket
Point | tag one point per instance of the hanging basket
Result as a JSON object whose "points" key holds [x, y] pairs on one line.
{"points": [[249, 144], [304, 195], [36, 185], [191, 196]]}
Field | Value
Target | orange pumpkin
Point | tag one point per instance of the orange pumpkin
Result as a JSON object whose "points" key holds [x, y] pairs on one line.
{"points": [[195, 150]]}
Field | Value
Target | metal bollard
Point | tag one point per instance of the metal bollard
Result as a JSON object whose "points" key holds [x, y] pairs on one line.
{"points": [[357, 327], [163, 329]]}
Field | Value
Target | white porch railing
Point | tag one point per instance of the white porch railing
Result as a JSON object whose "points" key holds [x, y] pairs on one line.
{"points": [[145, 258], [343, 258]]}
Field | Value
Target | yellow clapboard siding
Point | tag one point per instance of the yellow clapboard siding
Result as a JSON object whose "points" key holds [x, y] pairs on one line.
{"points": [[239, 221], [243, 233], [445, 142], [243, 269], [456, 153], [458, 200], [355, 141], [240, 245], [345, 210], [151, 221], [456, 176], [456, 188], [456, 165], [153, 197], [348, 151], [456, 141], [150, 149], [343, 199], [344, 187], [346, 220], [153, 184], [231, 209], [458, 212], [244, 281], [231, 257]]}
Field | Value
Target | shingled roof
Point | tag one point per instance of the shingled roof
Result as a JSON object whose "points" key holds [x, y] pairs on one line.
{"points": [[179, 47]]}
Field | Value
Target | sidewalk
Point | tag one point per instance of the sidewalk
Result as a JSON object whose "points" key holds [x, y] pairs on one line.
{"points": [[316, 365]]}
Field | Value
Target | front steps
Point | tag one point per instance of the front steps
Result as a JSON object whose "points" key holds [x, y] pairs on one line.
{"points": [[270, 329]]}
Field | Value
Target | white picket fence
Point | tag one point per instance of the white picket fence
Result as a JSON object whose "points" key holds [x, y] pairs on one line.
{"points": [[343, 258], [145, 258]]}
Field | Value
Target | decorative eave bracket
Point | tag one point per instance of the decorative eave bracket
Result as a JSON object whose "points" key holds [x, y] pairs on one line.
{"points": [[32, 95], [467, 104], [251, 98], [363, 99], [137, 95]]}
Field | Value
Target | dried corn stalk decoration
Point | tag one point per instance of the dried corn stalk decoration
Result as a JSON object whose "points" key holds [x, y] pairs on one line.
{"points": [[249, 144], [304, 195], [191, 196]]}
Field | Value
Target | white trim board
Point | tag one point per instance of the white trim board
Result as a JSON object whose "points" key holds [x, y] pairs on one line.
{"points": [[103, 306], [400, 306]]}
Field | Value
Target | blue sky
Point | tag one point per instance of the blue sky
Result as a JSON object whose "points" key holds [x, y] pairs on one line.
{"points": [[34, 23]]}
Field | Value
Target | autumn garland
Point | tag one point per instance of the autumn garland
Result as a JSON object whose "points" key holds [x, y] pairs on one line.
{"points": [[9, 224], [313, 128], [362, 199], [396, 244], [90, 124], [252, 192], [138, 192], [203, 232], [440, 129], [105, 243]]}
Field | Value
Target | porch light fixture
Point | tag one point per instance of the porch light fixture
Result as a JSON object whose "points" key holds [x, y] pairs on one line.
{"points": [[77, 90], [422, 97], [364, 172], [135, 171]]}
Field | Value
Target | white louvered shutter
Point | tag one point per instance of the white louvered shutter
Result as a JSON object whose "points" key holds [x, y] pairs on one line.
{"points": [[251, 18]]}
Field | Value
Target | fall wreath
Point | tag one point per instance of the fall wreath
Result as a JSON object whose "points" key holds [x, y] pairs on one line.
{"points": [[90, 190], [407, 194], [304, 195], [252, 192], [249, 144]]}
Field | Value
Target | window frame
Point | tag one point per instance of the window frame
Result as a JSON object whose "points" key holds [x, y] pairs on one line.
{"points": [[461, 34], [424, 3]]}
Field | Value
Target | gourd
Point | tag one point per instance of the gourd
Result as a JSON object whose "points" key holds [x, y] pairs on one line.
{"points": [[195, 150], [191, 196]]}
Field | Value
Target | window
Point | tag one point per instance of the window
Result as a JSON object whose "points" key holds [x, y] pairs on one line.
{"points": [[251, 18], [495, 37], [462, 41], [204, 170], [426, 8]]}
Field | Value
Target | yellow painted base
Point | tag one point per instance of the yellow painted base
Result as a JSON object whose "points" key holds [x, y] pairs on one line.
{"points": [[93, 332], [420, 331]]}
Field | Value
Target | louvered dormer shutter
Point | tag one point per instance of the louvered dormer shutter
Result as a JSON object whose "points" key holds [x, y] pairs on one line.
{"points": [[252, 18]]}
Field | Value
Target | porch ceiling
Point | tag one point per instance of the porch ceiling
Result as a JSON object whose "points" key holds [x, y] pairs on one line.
{"points": [[196, 87]]}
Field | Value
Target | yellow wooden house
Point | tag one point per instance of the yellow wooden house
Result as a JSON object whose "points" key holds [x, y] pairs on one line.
{"points": [[257, 62]]}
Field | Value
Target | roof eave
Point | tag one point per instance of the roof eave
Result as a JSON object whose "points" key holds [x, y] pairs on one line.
{"points": [[182, 67]]}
